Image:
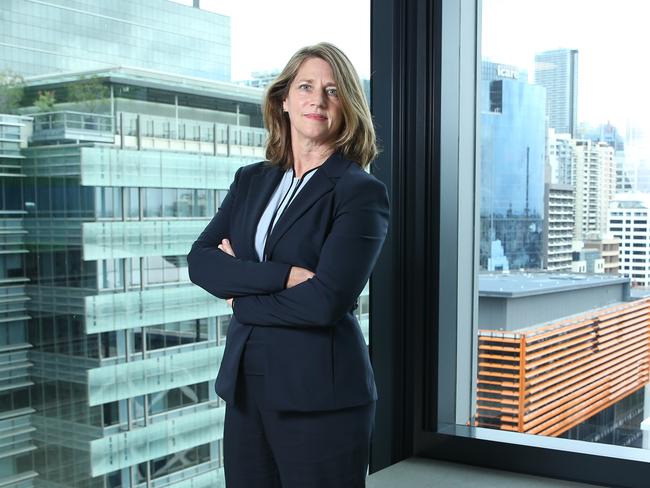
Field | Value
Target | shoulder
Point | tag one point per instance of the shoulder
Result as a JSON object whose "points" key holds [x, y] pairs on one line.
{"points": [[355, 179], [356, 188], [245, 173], [249, 170]]}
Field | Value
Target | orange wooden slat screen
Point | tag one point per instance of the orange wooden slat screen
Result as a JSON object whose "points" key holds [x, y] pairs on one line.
{"points": [[547, 379]]}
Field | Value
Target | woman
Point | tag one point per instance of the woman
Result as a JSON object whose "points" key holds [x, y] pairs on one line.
{"points": [[291, 249]]}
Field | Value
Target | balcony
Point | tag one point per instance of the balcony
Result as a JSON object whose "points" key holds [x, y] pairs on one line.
{"points": [[72, 127], [101, 240], [14, 368], [13, 302], [119, 311], [112, 166], [172, 368], [12, 233], [184, 429], [16, 432], [206, 475]]}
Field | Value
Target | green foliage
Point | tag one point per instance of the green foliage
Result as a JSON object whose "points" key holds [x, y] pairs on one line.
{"points": [[45, 101], [90, 92], [11, 91]]}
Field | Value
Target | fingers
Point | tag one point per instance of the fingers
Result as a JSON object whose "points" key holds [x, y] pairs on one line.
{"points": [[298, 275], [307, 274], [226, 247]]}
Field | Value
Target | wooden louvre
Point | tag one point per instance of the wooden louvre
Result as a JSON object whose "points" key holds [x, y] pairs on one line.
{"points": [[547, 379]]}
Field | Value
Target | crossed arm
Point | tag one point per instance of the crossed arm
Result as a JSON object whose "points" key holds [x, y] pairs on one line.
{"points": [[218, 271], [277, 294], [296, 275]]}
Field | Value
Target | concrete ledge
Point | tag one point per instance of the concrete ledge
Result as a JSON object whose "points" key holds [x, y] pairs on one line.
{"points": [[429, 473]]}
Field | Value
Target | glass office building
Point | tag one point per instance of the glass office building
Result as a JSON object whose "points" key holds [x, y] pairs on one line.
{"points": [[16, 443], [557, 71], [125, 348], [82, 35], [512, 171]]}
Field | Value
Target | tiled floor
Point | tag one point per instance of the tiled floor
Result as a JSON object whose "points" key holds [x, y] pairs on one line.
{"points": [[427, 473]]}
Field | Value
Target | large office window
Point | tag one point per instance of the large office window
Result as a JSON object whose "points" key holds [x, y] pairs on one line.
{"points": [[521, 339], [561, 340]]}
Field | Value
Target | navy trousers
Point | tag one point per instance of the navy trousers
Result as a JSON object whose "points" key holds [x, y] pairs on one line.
{"points": [[275, 449]]}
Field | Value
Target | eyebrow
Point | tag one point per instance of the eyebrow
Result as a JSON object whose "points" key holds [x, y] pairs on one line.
{"points": [[310, 80]]}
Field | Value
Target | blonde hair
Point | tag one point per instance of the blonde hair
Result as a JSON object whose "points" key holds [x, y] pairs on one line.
{"points": [[356, 140]]}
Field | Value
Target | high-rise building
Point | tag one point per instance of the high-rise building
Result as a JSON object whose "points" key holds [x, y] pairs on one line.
{"points": [[491, 70], [62, 36], [558, 228], [125, 348], [512, 170], [16, 441], [560, 150], [609, 134], [109, 361], [628, 222], [637, 156], [595, 184], [261, 79], [557, 71]]}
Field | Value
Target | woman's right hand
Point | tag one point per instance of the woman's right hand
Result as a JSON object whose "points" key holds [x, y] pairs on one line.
{"points": [[298, 275]]}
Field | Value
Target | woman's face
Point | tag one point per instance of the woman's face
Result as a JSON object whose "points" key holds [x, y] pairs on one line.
{"points": [[313, 105]]}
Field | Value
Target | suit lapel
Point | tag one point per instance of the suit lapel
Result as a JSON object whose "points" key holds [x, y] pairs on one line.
{"points": [[318, 185]]}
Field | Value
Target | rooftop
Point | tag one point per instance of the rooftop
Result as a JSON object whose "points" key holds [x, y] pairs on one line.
{"points": [[154, 79], [630, 200], [515, 285]]}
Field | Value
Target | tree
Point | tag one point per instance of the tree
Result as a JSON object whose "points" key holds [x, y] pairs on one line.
{"points": [[45, 101], [11, 91], [90, 92]]}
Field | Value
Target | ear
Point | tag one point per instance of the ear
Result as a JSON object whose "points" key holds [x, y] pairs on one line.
{"points": [[285, 108]]}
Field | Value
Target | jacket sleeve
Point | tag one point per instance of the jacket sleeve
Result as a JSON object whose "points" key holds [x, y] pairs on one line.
{"points": [[347, 258], [225, 276]]}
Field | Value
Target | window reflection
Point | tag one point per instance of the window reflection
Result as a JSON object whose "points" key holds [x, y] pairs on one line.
{"points": [[562, 306]]}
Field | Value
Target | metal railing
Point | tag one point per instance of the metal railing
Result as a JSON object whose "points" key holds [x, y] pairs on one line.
{"points": [[75, 125]]}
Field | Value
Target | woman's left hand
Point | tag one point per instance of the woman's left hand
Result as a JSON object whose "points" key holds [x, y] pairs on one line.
{"points": [[227, 248]]}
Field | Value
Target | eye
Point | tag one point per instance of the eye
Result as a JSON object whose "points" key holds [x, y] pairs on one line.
{"points": [[332, 92], [304, 86]]}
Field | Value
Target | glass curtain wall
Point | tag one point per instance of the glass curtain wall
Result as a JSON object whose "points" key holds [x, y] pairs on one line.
{"points": [[121, 127]]}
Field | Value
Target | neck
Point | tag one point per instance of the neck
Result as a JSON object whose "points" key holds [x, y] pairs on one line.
{"points": [[309, 156]]}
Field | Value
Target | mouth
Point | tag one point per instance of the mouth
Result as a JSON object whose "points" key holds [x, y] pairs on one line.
{"points": [[314, 116]]}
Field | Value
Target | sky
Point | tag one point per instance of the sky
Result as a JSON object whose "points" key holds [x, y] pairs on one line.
{"points": [[265, 33], [614, 84], [612, 38]]}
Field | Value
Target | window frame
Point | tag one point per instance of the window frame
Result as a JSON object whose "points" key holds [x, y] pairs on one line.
{"points": [[425, 65]]}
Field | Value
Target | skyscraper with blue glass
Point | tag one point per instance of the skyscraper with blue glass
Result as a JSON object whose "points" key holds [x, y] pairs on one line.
{"points": [[512, 169]]}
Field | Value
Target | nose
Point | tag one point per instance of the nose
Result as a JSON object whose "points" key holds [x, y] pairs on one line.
{"points": [[318, 98]]}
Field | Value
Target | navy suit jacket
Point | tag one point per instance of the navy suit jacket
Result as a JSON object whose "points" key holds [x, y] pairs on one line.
{"points": [[316, 357]]}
